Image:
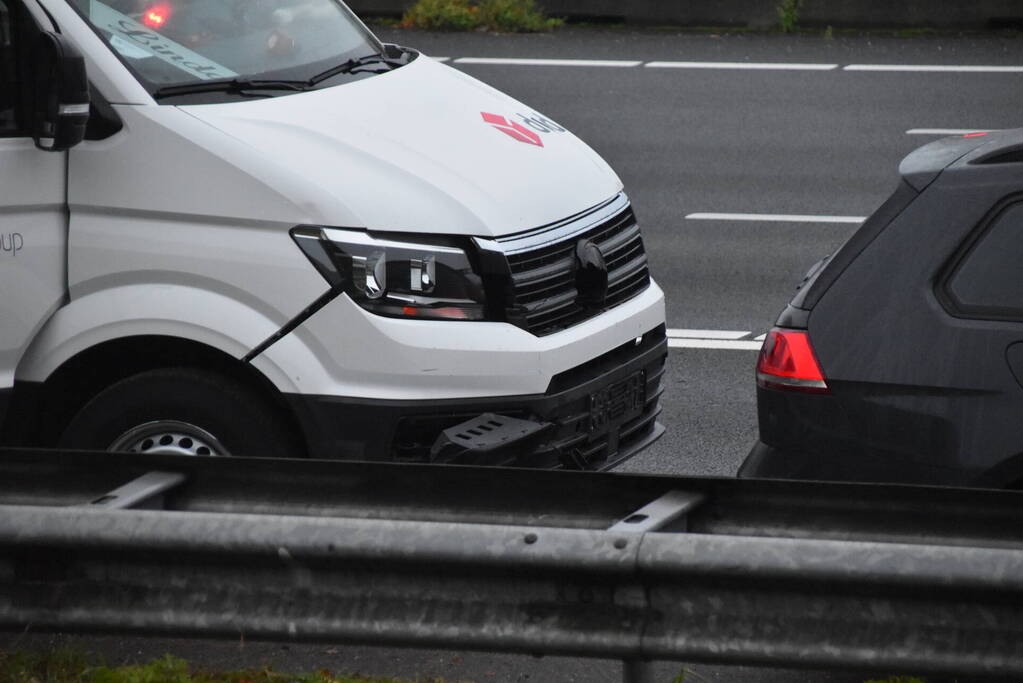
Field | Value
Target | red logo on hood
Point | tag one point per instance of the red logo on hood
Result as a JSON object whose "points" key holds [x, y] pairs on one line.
{"points": [[515, 130]]}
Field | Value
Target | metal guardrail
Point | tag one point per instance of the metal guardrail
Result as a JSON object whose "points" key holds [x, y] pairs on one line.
{"points": [[640, 568]]}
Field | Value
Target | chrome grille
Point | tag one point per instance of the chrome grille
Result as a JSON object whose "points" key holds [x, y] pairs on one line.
{"points": [[543, 297]]}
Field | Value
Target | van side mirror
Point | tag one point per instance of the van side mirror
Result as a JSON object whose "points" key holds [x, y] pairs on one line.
{"points": [[60, 107]]}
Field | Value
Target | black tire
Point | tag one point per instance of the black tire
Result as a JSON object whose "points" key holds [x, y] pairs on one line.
{"points": [[181, 406]]}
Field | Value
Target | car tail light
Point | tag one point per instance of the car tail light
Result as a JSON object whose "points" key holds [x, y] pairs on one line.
{"points": [[787, 362]]}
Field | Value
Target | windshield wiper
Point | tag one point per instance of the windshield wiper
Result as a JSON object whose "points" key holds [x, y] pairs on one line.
{"points": [[392, 56], [233, 85]]}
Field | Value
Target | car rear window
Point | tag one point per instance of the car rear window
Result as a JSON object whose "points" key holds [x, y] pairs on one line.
{"points": [[817, 283]]}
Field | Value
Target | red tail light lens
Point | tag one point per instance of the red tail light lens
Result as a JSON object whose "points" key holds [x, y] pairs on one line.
{"points": [[787, 362]]}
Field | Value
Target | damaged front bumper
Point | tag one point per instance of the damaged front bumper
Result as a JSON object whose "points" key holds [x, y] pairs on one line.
{"points": [[594, 416]]}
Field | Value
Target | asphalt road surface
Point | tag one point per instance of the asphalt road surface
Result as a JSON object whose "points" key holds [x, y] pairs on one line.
{"points": [[804, 153]]}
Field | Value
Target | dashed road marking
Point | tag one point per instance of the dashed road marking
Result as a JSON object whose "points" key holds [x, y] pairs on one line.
{"points": [[727, 344], [947, 131], [548, 62], [707, 334], [940, 68], [755, 65], [774, 218], [733, 340]]}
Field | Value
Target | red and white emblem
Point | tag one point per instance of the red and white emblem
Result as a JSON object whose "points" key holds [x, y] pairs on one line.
{"points": [[512, 128]]}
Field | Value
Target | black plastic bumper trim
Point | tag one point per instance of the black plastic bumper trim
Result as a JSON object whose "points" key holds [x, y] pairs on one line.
{"points": [[767, 462], [5, 402], [339, 427]]}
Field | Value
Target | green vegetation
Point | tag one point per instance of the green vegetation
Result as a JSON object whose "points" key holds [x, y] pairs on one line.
{"points": [[440, 15], [507, 16], [684, 677], [513, 16], [788, 15], [432, 19], [918, 32], [71, 666]]}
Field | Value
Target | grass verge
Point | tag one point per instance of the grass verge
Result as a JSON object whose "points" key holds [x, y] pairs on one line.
{"points": [[73, 666], [505, 16]]}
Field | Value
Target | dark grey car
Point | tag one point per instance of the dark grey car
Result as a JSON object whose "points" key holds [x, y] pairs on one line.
{"points": [[901, 356]]}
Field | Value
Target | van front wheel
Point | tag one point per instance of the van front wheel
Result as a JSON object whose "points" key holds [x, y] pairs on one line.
{"points": [[176, 411]]}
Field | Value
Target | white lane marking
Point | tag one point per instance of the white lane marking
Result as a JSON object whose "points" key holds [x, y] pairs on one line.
{"points": [[955, 68], [947, 131], [441, 59], [761, 337], [760, 66], [774, 217], [728, 344], [707, 334], [547, 62]]}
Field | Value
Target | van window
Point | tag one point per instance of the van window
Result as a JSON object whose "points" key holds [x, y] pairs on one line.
{"points": [[7, 81], [989, 280], [178, 42], [17, 32]]}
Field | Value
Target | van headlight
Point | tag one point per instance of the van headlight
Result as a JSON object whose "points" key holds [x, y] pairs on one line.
{"points": [[400, 279]]}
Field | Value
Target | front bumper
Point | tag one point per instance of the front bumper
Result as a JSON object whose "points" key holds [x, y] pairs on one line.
{"points": [[590, 430]]}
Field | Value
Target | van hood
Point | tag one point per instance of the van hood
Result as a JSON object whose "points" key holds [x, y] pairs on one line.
{"points": [[424, 148]]}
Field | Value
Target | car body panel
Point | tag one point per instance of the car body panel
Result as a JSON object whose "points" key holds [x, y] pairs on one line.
{"points": [[418, 135], [912, 382], [344, 350]]}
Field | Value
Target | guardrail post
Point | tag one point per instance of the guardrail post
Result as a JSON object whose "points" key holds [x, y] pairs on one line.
{"points": [[671, 508], [143, 493], [637, 671]]}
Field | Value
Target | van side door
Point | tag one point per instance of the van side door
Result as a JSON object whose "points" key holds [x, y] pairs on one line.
{"points": [[33, 203]]}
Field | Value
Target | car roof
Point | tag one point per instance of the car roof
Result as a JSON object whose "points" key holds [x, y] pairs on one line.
{"points": [[923, 165]]}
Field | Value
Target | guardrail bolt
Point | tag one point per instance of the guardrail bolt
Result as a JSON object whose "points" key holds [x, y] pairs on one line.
{"points": [[530, 539], [621, 543]]}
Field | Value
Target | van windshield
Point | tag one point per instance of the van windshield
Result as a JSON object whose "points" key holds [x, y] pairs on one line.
{"points": [[183, 42]]}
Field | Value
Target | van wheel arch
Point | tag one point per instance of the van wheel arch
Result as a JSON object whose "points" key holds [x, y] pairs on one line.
{"points": [[181, 411], [40, 412]]}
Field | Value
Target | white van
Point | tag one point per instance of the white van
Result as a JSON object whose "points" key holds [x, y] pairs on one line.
{"points": [[270, 234]]}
